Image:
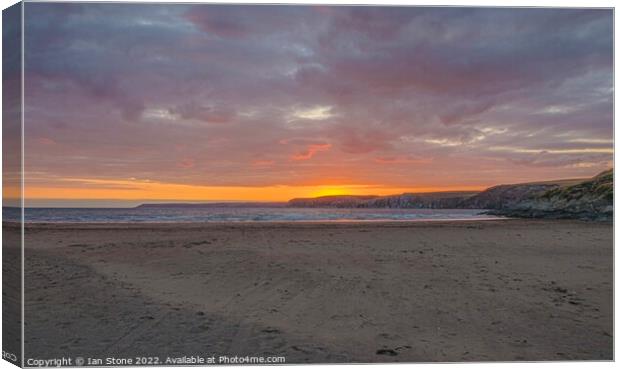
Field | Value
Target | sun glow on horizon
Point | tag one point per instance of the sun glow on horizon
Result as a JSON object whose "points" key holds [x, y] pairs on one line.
{"points": [[334, 191], [133, 189]]}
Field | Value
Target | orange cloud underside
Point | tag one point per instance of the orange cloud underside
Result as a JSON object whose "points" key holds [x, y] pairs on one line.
{"points": [[143, 190]]}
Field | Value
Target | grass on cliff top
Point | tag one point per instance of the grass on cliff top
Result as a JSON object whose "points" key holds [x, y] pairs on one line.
{"points": [[599, 187]]}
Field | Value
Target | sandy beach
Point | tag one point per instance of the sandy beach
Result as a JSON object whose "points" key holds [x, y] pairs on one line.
{"points": [[342, 292]]}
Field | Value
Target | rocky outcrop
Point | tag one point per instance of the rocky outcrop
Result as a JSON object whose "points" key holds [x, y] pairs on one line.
{"points": [[432, 200], [571, 199], [506, 196], [337, 201], [589, 200]]}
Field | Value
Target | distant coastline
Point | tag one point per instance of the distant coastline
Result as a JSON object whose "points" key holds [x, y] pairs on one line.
{"points": [[585, 198]]}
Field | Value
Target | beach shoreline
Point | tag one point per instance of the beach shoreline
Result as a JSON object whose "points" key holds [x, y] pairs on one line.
{"points": [[249, 223], [401, 223], [473, 290]]}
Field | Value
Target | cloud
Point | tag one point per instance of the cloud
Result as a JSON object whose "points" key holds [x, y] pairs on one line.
{"points": [[361, 141], [313, 113], [240, 22], [186, 163], [203, 113], [310, 151], [465, 110], [45, 141], [134, 90], [261, 163], [403, 159]]}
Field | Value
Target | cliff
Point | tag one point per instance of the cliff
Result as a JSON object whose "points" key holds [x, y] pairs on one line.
{"points": [[571, 199], [432, 200], [336, 201], [589, 200], [506, 196]]}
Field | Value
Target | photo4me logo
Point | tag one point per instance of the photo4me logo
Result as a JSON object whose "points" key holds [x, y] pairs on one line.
{"points": [[251, 360]]}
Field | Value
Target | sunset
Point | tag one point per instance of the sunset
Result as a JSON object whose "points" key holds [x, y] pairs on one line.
{"points": [[190, 184], [86, 189], [212, 103]]}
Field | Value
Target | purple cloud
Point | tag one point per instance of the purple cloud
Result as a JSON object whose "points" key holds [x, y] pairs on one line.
{"points": [[207, 94]]}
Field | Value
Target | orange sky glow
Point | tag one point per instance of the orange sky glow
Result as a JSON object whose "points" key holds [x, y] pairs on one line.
{"points": [[147, 190]]}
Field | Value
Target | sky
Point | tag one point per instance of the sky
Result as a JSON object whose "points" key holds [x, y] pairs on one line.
{"points": [[144, 102]]}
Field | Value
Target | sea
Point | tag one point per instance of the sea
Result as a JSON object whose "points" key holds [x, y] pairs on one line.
{"points": [[227, 214]]}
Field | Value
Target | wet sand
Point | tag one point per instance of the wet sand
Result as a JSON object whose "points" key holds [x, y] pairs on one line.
{"points": [[369, 292]]}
